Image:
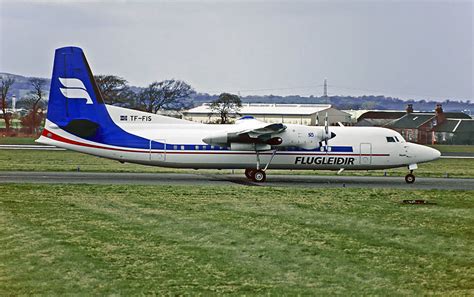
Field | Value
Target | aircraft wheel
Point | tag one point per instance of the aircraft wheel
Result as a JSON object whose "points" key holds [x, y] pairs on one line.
{"points": [[410, 178], [249, 173], [259, 176]]}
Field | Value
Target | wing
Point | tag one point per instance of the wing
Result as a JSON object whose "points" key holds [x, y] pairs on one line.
{"points": [[267, 129], [263, 133], [250, 131]]}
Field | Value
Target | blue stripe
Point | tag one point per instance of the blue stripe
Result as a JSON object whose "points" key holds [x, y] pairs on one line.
{"points": [[199, 147]]}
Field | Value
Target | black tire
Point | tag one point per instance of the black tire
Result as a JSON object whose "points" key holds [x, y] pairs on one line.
{"points": [[410, 178], [259, 176], [249, 173]]}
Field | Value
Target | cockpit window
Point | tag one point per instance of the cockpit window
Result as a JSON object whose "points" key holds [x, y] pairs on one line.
{"points": [[396, 138], [390, 139]]}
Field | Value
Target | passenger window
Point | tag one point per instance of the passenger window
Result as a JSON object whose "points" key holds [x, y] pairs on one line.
{"points": [[390, 139]]}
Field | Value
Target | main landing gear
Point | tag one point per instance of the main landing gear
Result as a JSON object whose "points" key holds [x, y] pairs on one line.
{"points": [[258, 175]]}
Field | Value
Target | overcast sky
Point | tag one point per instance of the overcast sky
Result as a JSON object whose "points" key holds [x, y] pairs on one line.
{"points": [[410, 49]]}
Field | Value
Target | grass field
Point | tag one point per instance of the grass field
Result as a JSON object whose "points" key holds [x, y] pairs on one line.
{"points": [[454, 148], [17, 140], [27, 160], [130, 240]]}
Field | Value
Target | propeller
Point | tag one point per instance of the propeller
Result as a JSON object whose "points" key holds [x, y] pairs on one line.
{"points": [[327, 135]]}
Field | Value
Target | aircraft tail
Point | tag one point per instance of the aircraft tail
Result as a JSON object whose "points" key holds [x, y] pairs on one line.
{"points": [[75, 102], [77, 114]]}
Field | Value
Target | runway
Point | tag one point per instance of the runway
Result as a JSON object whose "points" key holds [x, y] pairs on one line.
{"points": [[291, 181]]}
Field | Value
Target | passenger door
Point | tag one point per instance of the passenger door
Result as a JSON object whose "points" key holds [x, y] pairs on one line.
{"points": [[365, 157], [157, 152]]}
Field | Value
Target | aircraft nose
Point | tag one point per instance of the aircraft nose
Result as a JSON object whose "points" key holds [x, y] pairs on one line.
{"points": [[423, 153], [435, 153], [430, 154]]}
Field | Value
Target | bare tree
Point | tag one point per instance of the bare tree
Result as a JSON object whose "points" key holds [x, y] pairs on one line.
{"points": [[225, 104], [164, 95], [6, 83], [35, 103], [115, 90]]}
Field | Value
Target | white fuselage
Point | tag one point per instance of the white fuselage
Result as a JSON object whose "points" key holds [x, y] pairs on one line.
{"points": [[358, 148]]}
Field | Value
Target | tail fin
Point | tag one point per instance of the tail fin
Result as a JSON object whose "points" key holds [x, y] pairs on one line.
{"points": [[76, 110], [75, 102]]}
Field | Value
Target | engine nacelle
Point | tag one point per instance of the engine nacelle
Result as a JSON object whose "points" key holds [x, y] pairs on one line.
{"points": [[242, 142], [235, 146], [219, 139], [302, 136]]}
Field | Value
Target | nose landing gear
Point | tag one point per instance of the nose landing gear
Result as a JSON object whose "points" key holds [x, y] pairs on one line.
{"points": [[410, 178]]}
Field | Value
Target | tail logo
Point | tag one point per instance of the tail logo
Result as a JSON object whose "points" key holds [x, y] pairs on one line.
{"points": [[74, 89]]}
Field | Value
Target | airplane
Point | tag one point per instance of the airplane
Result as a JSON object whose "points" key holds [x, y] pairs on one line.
{"points": [[79, 120]]}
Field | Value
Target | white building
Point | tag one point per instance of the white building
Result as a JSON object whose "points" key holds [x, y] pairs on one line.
{"points": [[304, 114]]}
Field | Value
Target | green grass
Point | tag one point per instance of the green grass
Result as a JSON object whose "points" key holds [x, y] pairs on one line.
{"points": [[27, 160], [130, 240], [454, 148], [17, 140]]}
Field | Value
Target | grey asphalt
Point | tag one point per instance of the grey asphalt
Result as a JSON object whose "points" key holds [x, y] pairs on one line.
{"points": [[294, 181]]}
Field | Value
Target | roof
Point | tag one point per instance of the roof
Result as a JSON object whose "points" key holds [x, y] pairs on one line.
{"points": [[396, 114], [382, 114], [372, 122], [411, 120], [457, 115], [277, 109], [456, 126]]}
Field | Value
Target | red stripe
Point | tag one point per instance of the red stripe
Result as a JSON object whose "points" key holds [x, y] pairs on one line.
{"points": [[59, 138]]}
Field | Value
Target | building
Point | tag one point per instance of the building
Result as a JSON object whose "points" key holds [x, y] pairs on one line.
{"points": [[378, 118], [428, 127], [455, 131], [304, 114]]}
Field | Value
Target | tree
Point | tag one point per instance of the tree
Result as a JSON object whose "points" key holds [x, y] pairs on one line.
{"points": [[164, 95], [6, 83], [35, 103], [115, 90], [32, 120], [225, 104]]}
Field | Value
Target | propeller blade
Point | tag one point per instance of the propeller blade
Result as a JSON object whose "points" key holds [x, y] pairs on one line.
{"points": [[326, 125]]}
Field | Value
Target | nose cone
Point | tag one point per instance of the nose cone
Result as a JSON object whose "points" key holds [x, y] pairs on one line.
{"points": [[435, 153], [427, 154]]}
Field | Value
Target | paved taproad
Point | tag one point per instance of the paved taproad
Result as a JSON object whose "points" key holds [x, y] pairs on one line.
{"points": [[294, 181]]}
